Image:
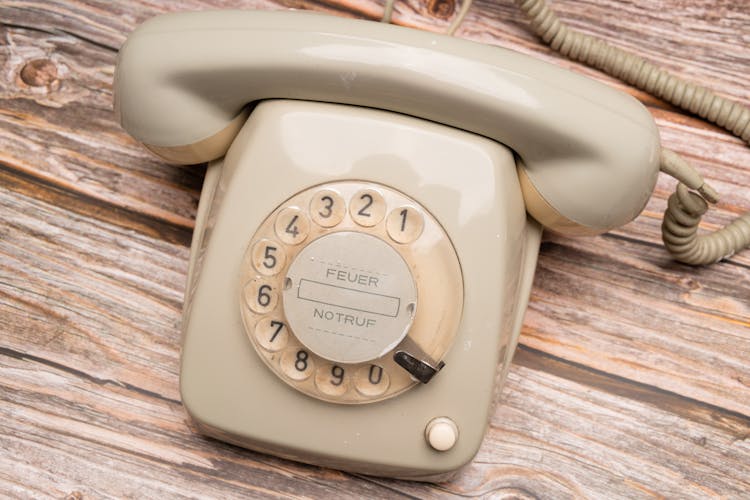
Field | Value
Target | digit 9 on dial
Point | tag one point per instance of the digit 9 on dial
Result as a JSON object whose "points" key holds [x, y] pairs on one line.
{"points": [[344, 281]]}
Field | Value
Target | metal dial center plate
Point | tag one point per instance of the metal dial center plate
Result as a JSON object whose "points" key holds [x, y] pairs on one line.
{"points": [[349, 297]]}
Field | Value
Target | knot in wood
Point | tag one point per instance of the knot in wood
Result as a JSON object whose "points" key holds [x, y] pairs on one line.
{"points": [[39, 73], [442, 9]]}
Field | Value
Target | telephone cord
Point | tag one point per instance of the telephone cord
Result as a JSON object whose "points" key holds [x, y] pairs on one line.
{"points": [[684, 208], [388, 11], [388, 14]]}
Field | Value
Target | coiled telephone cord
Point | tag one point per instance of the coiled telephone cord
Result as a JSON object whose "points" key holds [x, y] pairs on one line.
{"points": [[689, 203], [685, 208]]}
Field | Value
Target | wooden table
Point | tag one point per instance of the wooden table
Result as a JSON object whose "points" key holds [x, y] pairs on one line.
{"points": [[633, 374]]}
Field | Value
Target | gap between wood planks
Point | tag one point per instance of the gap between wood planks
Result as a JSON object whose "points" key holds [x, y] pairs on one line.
{"points": [[12, 353], [48, 191], [732, 422]]}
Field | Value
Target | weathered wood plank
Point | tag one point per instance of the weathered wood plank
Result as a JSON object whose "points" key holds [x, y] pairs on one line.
{"points": [[69, 124], [592, 440], [633, 380], [685, 333], [122, 443], [699, 39], [101, 299]]}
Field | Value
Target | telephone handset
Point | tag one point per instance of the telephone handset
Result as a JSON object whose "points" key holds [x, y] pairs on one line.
{"points": [[362, 256], [591, 153]]}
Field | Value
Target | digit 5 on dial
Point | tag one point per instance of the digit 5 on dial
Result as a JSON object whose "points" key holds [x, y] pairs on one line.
{"points": [[362, 255]]}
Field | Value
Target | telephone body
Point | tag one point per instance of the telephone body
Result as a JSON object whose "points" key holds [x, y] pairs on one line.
{"points": [[363, 256]]}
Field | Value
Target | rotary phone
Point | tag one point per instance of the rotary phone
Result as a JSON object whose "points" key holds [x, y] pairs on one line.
{"points": [[370, 220]]}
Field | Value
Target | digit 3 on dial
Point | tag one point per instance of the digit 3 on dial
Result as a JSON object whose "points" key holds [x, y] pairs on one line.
{"points": [[351, 292]]}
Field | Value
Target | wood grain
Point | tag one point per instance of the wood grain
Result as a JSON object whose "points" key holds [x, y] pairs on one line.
{"points": [[632, 379]]}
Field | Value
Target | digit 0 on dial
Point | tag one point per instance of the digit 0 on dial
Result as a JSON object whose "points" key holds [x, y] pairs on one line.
{"points": [[329, 293]]}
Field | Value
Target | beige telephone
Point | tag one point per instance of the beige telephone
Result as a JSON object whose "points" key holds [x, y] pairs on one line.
{"points": [[363, 256]]}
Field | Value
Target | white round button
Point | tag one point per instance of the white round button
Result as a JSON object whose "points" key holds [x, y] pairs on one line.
{"points": [[441, 433], [349, 297]]}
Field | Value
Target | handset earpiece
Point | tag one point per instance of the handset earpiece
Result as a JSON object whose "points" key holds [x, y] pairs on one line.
{"points": [[545, 213], [590, 154], [204, 150]]}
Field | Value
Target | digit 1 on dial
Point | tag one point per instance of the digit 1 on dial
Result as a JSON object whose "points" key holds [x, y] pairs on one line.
{"points": [[404, 224]]}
